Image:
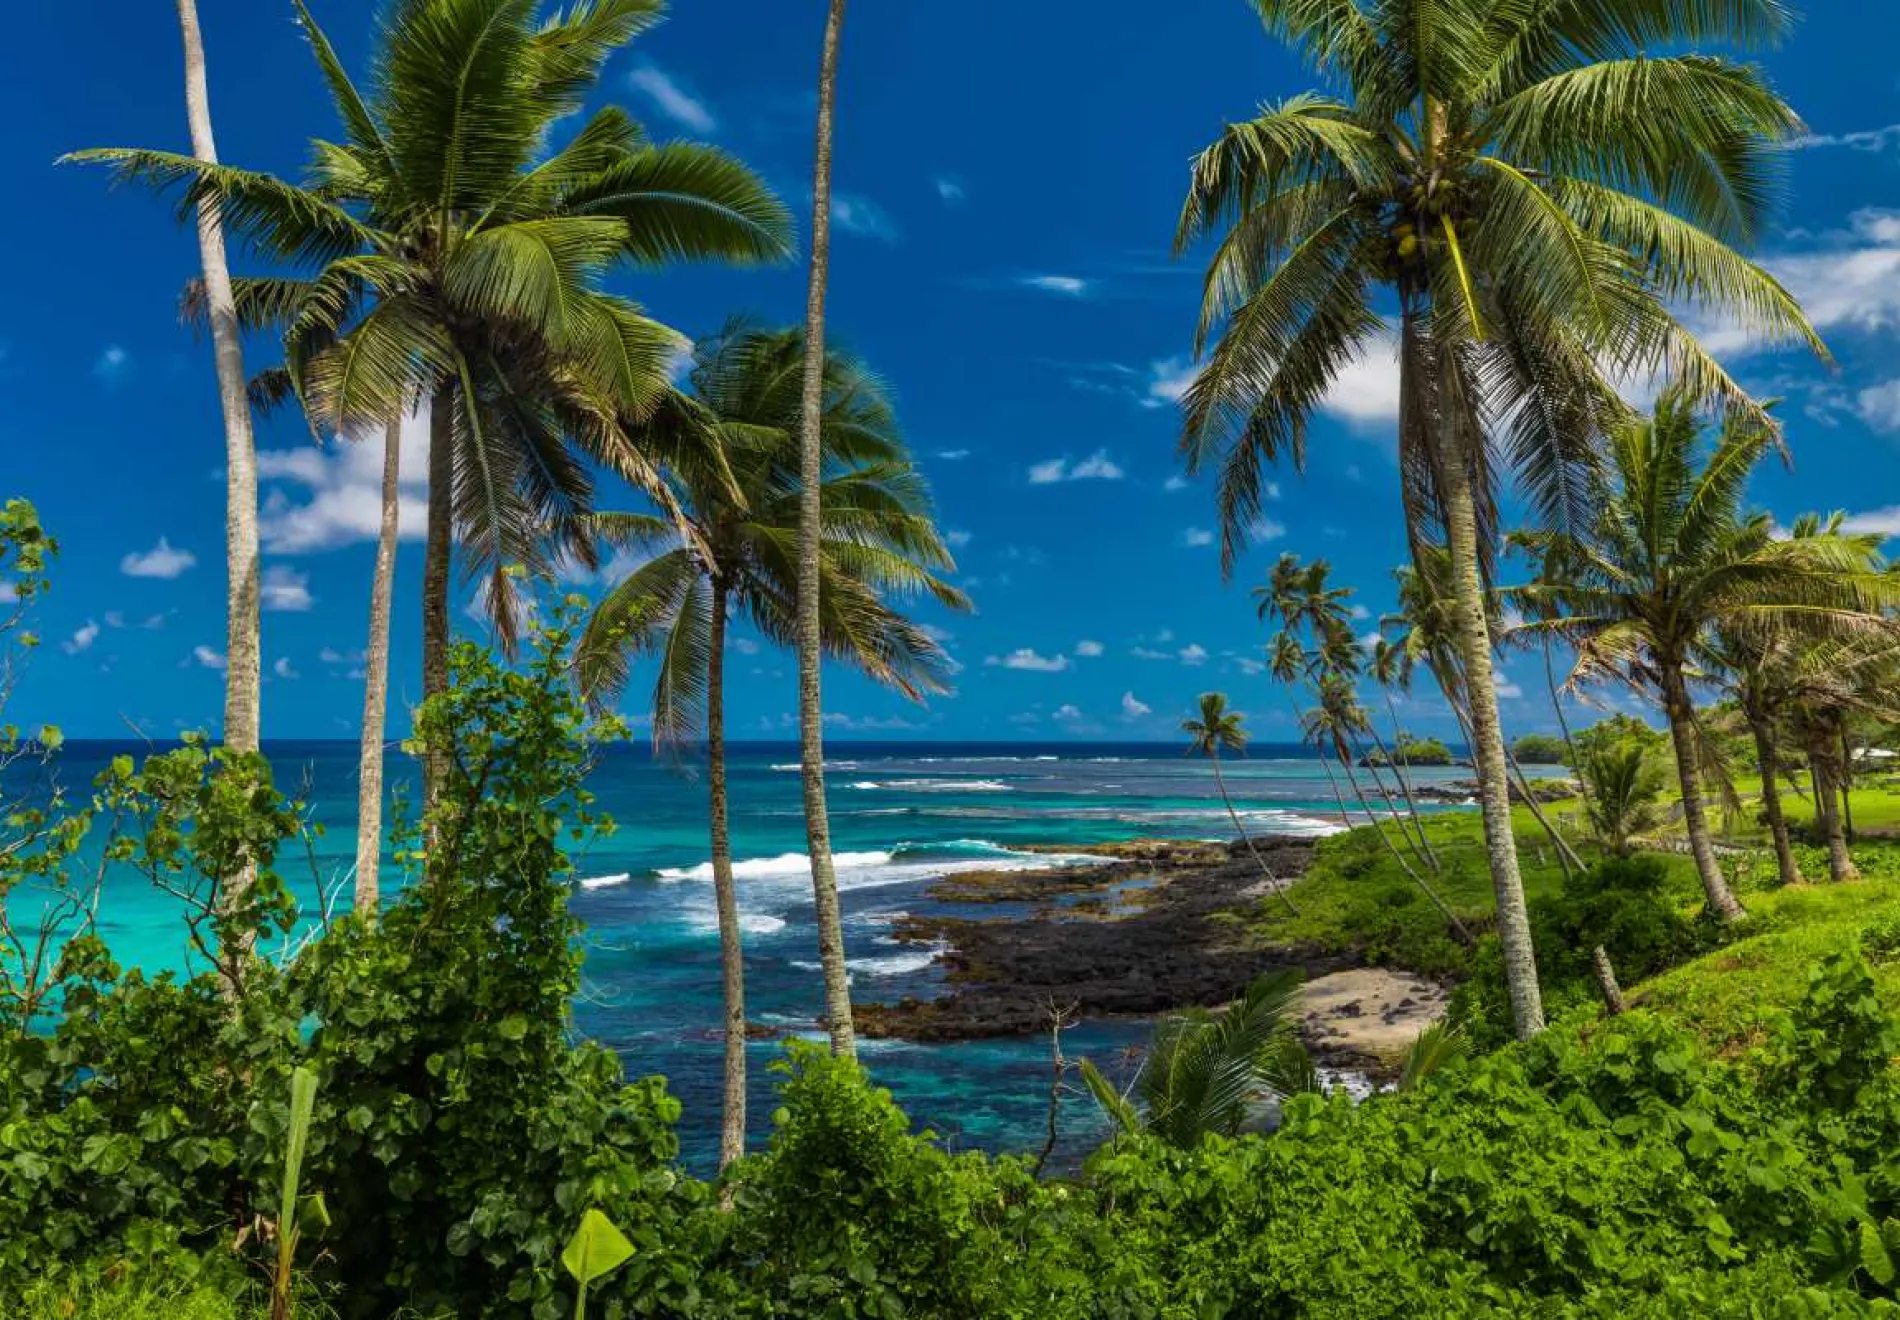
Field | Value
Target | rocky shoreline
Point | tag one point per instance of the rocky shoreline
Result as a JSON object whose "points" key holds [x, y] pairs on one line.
{"points": [[1152, 929]]}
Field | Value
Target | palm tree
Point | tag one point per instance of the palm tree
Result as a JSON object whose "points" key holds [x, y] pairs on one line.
{"points": [[879, 543], [1205, 1069], [243, 671], [1671, 554], [458, 264], [1496, 170], [1219, 729], [811, 715], [369, 781]]}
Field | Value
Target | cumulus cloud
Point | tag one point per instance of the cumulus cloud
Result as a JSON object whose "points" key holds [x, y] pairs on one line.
{"points": [[1174, 483], [1866, 139], [1168, 380], [1026, 658], [284, 588], [1879, 406], [1088, 648], [1365, 392], [331, 656], [318, 499], [81, 640], [1847, 279], [861, 216], [950, 188], [206, 657], [1266, 529], [953, 455], [1884, 521], [672, 99], [1193, 654], [1069, 286], [9, 594], [284, 669], [1196, 536], [1133, 708], [868, 723], [1098, 466], [162, 561]]}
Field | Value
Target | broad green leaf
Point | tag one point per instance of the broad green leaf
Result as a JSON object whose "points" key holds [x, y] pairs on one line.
{"points": [[597, 1249]]}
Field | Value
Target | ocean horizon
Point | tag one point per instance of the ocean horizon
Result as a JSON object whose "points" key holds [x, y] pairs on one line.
{"points": [[903, 814]]}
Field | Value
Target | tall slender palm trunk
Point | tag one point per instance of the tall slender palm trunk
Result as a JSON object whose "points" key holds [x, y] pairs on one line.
{"points": [[1768, 755], [1220, 782], [369, 772], [243, 645], [1438, 901], [437, 548], [1695, 820], [1840, 863], [1402, 771], [1487, 734], [1847, 785], [725, 890], [811, 728]]}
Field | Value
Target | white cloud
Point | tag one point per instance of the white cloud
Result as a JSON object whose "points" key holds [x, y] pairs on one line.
{"points": [[1175, 483], [1098, 466], [161, 561], [860, 215], [950, 188], [1197, 536], [207, 657], [745, 646], [1509, 691], [1359, 612], [284, 669], [112, 366], [1249, 666], [81, 640], [284, 588], [1365, 391], [331, 656], [9, 594], [953, 455], [1884, 521], [956, 538], [1867, 139], [1844, 279], [867, 723], [342, 492], [1067, 713], [1370, 640], [1879, 406], [1168, 381], [114, 619], [936, 634], [1026, 658], [1088, 648], [1193, 654], [1133, 708], [671, 99], [1069, 286], [1266, 529], [1149, 653]]}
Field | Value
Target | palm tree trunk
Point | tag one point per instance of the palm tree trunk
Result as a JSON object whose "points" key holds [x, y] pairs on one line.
{"points": [[435, 571], [1391, 804], [1768, 757], [1444, 908], [1404, 775], [369, 777], [1681, 717], [1563, 723], [1847, 786], [243, 646], [1487, 734], [1566, 856], [1840, 863], [1220, 782], [725, 891], [811, 730]]}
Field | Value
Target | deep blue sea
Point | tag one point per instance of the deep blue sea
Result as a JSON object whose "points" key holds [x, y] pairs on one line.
{"points": [[902, 814]]}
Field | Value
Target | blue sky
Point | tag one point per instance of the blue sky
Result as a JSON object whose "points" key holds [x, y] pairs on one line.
{"points": [[1008, 179]]}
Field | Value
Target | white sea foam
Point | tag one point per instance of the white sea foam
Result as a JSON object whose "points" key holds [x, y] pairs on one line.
{"points": [[934, 785], [752, 923], [789, 874], [774, 868], [605, 881]]}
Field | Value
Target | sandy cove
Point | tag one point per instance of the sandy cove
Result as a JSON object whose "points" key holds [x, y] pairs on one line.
{"points": [[1151, 929]]}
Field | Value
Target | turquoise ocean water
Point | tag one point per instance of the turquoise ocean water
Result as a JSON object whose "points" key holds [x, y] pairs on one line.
{"points": [[902, 814]]}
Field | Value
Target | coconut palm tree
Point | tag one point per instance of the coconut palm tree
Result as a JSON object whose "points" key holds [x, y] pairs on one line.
{"points": [[458, 264], [1671, 554], [1220, 729], [880, 544], [369, 776], [811, 716], [1493, 168]]}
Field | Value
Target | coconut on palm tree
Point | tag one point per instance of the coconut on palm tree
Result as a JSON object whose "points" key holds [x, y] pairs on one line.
{"points": [[1492, 170], [457, 267], [1222, 730], [810, 639], [880, 547], [1670, 554]]}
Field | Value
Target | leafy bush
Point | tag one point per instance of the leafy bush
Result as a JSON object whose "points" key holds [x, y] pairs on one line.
{"points": [[1540, 749]]}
